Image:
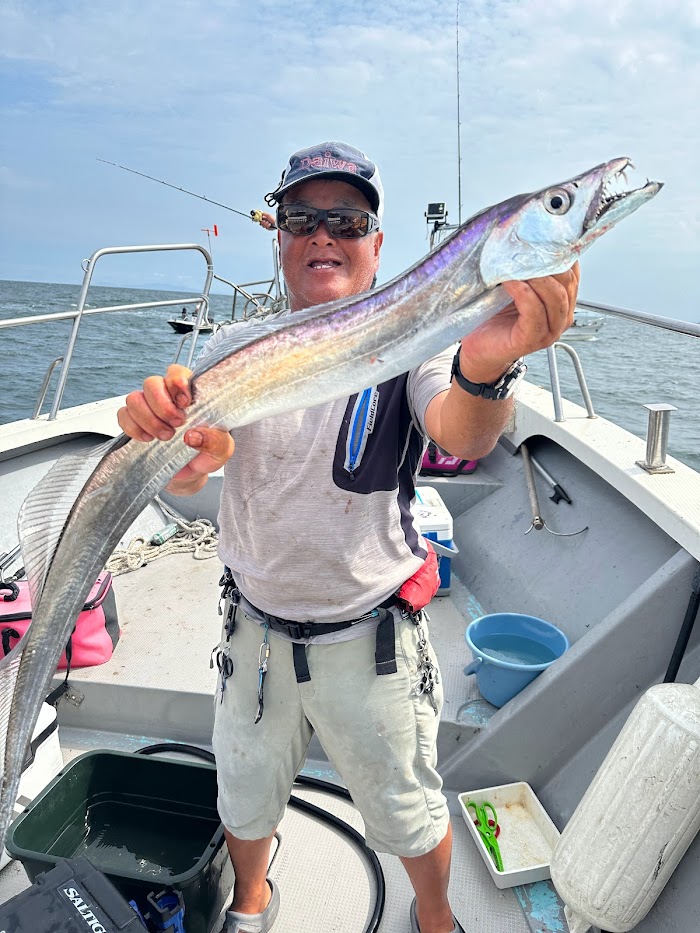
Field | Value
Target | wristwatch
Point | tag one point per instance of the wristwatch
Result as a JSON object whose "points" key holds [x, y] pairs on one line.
{"points": [[496, 391]]}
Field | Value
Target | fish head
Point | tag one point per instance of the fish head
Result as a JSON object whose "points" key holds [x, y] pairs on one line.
{"points": [[544, 233]]}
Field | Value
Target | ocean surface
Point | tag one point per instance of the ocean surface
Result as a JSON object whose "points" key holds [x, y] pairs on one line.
{"points": [[627, 366]]}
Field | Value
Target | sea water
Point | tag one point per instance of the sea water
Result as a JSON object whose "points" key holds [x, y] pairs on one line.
{"points": [[516, 649], [627, 366]]}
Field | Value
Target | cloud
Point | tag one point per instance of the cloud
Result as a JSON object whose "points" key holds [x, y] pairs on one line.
{"points": [[214, 97], [11, 178]]}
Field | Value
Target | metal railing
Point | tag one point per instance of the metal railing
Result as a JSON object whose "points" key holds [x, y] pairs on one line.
{"points": [[201, 303], [261, 303], [688, 328], [641, 317], [255, 304], [554, 380], [659, 414]]}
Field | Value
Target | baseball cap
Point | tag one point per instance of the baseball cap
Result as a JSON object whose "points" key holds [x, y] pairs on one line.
{"points": [[332, 160]]}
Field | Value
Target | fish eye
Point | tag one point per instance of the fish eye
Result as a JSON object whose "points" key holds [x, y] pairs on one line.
{"points": [[557, 200]]}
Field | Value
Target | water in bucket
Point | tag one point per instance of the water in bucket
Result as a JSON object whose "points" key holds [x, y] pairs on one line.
{"points": [[517, 649]]}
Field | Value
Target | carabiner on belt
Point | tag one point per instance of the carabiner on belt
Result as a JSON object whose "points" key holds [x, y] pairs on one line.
{"points": [[225, 665], [428, 674], [263, 655]]}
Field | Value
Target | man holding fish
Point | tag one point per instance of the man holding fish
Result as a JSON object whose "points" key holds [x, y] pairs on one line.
{"points": [[316, 528]]}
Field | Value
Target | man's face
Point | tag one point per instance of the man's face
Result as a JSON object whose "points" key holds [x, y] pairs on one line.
{"points": [[319, 268]]}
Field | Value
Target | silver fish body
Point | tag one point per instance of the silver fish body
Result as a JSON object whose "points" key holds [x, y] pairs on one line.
{"points": [[73, 520]]}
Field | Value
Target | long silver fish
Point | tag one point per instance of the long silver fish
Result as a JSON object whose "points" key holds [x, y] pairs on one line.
{"points": [[72, 521]]}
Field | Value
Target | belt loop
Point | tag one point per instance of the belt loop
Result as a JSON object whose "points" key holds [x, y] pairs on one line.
{"points": [[385, 651], [301, 664]]}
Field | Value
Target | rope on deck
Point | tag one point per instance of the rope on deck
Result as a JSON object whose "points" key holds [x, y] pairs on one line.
{"points": [[199, 536]]}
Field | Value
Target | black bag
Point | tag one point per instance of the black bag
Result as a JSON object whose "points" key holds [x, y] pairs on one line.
{"points": [[73, 897]]}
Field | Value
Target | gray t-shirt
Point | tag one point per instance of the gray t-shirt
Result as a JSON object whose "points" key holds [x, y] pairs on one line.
{"points": [[315, 517]]}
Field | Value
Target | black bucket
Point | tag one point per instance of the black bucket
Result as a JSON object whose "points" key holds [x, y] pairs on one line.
{"points": [[148, 823]]}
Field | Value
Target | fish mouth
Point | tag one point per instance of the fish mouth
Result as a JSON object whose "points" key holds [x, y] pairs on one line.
{"points": [[616, 197]]}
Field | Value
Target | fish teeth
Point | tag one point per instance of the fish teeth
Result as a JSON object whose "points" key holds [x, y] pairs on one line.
{"points": [[614, 189]]}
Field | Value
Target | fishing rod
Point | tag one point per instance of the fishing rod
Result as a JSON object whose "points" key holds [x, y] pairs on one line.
{"points": [[459, 134], [256, 215]]}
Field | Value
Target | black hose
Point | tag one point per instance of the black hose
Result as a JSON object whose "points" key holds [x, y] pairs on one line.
{"points": [[193, 750], [685, 632], [298, 804]]}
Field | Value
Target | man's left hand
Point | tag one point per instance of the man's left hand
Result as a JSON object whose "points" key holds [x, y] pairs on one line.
{"points": [[541, 311]]}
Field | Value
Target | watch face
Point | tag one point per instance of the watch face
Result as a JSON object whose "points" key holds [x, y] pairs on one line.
{"points": [[505, 386]]}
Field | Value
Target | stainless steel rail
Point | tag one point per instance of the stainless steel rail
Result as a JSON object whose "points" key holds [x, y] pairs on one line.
{"points": [[44, 386], [260, 307], [554, 380], [659, 413], [70, 315], [688, 328], [272, 299], [201, 303], [641, 317]]}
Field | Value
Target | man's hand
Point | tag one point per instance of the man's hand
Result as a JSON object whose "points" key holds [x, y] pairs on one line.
{"points": [[541, 311], [159, 408]]}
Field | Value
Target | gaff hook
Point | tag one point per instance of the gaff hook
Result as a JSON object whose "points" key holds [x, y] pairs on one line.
{"points": [[538, 523]]}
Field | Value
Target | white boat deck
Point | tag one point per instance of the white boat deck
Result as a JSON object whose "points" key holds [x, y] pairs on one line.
{"points": [[166, 692], [159, 684]]}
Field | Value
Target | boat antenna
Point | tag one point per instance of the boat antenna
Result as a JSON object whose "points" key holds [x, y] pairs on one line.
{"points": [[255, 216], [459, 133]]}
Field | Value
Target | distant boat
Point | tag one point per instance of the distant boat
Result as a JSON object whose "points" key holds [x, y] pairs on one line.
{"points": [[186, 322], [585, 327], [185, 325]]}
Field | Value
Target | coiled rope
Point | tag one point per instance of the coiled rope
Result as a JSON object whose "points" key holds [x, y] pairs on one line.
{"points": [[199, 536]]}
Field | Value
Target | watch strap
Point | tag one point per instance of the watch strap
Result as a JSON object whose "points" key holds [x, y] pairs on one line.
{"points": [[496, 391]]}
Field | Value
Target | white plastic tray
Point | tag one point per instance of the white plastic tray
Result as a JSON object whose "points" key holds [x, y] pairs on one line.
{"points": [[528, 836]]}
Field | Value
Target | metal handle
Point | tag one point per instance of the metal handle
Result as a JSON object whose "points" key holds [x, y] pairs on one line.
{"points": [[537, 520], [442, 550], [538, 523]]}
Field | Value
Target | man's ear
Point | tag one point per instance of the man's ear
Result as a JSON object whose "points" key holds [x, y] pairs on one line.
{"points": [[379, 239]]}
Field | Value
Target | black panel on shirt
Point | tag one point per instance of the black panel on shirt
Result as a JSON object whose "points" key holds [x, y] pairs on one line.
{"points": [[391, 456]]}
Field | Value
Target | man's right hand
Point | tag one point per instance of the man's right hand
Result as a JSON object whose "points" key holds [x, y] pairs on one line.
{"points": [[159, 408]]}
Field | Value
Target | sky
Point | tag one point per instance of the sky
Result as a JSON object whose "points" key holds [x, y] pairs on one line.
{"points": [[214, 96]]}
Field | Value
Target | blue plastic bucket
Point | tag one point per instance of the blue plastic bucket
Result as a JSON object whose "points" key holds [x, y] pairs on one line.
{"points": [[510, 650]]}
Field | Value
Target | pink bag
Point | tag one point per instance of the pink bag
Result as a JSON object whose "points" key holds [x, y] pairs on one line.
{"points": [[437, 463], [96, 630]]}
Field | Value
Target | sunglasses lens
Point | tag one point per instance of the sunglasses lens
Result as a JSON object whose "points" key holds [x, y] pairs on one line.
{"points": [[342, 222], [348, 223], [299, 220]]}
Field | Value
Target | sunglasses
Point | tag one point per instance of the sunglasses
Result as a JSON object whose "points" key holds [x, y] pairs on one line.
{"points": [[345, 223]]}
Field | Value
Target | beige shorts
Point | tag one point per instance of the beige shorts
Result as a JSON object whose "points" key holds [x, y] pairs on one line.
{"points": [[377, 733]]}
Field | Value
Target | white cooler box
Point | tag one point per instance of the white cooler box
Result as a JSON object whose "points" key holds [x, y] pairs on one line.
{"points": [[42, 764], [435, 523]]}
